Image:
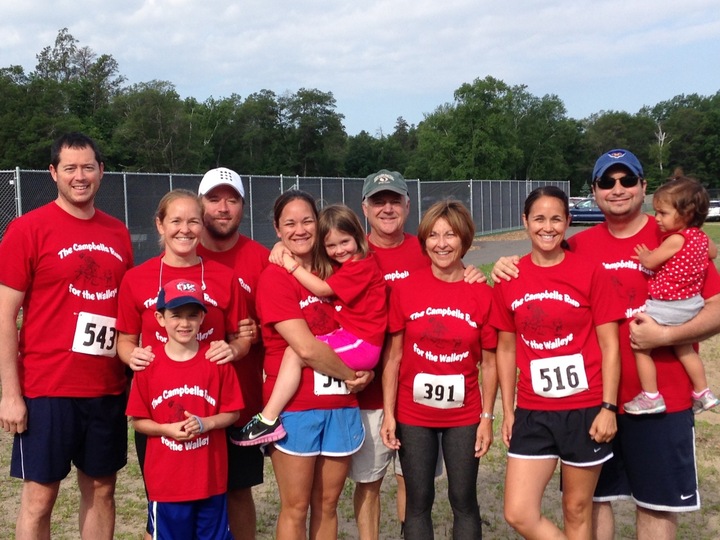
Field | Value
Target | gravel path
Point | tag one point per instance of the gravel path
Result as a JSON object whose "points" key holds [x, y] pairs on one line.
{"points": [[488, 249]]}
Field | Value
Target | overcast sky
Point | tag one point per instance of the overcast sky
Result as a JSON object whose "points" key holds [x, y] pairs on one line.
{"points": [[383, 59]]}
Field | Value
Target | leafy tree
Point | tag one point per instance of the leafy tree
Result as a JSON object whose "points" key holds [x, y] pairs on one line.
{"points": [[363, 155], [60, 62], [315, 134], [262, 135], [153, 129]]}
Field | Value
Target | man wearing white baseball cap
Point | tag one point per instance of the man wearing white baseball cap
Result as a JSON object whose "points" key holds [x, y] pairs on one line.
{"points": [[223, 198]]}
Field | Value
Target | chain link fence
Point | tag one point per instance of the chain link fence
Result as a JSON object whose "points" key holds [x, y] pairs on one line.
{"points": [[496, 205]]}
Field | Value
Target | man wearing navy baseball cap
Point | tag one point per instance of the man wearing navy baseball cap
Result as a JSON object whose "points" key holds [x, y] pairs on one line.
{"points": [[654, 461]]}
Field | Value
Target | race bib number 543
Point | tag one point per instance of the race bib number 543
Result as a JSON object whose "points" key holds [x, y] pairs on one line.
{"points": [[95, 334]]}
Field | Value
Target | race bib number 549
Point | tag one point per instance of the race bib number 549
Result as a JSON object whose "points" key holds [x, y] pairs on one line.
{"points": [[95, 334], [325, 385]]}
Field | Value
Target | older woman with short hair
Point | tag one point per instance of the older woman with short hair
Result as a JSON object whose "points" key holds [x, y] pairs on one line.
{"points": [[430, 380]]}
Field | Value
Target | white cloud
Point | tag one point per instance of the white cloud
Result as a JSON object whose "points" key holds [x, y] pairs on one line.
{"points": [[388, 58]]}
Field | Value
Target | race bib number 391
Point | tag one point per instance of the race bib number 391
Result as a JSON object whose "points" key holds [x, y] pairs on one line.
{"points": [[559, 376], [439, 391], [95, 334]]}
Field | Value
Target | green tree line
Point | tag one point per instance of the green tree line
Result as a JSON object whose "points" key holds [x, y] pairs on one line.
{"points": [[490, 130]]}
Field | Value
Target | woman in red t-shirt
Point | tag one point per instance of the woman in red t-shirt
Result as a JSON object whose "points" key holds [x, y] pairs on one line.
{"points": [[558, 327], [439, 334], [322, 420], [179, 224]]}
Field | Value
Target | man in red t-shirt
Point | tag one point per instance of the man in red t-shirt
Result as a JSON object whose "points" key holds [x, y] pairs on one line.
{"points": [[386, 206], [63, 386], [223, 197]]}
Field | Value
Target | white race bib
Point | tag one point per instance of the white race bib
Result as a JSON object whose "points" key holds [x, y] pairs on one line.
{"points": [[439, 391], [95, 334], [559, 376], [325, 385]]}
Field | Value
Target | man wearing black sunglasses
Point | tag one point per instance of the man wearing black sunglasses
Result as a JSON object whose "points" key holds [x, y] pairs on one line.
{"points": [[654, 460]]}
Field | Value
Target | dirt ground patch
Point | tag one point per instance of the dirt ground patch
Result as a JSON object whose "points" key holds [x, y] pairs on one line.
{"points": [[702, 525]]}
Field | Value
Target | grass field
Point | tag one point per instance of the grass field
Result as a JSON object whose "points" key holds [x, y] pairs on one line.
{"points": [[701, 525]]}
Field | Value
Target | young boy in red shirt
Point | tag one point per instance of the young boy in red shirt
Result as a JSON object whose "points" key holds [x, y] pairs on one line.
{"points": [[183, 403]]}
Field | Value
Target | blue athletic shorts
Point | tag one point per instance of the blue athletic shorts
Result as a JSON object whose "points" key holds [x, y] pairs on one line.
{"points": [[204, 519], [654, 463], [558, 434], [326, 432], [91, 433]]}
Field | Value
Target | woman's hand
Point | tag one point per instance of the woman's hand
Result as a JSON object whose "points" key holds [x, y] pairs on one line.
{"points": [[507, 427], [362, 379], [604, 427], [220, 352], [387, 431], [140, 358], [483, 437], [248, 328]]}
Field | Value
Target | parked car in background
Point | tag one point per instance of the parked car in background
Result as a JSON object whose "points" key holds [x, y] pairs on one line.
{"points": [[714, 211], [586, 211]]}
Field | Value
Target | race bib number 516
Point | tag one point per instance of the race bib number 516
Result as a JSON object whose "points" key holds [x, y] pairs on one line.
{"points": [[559, 376], [95, 334]]}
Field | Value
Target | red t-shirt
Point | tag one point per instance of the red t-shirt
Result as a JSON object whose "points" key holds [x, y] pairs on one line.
{"points": [[630, 282], [396, 264], [248, 259], [361, 299], [185, 471], [70, 270], [282, 298], [445, 329], [138, 297], [553, 312]]}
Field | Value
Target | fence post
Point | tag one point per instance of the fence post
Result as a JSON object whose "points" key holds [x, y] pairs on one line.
{"points": [[125, 197], [18, 193]]}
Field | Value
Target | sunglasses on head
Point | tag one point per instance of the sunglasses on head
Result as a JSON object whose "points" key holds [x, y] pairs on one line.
{"points": [[606, 182]]}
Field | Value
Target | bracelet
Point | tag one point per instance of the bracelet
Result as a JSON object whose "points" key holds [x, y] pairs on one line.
{"points": [[487, 415], [293, 268], [609, 406]]}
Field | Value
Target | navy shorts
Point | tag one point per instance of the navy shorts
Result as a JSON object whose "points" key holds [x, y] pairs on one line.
{"points": [[90, 433], [245, 466], [654, 463], [204, 519], [558, 434]]}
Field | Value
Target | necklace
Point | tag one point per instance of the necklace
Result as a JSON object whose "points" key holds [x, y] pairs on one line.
{"points": [[202, 274]]}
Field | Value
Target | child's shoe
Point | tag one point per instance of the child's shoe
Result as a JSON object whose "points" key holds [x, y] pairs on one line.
{"points": [[257, 432], [705, 402], [642, 404]]}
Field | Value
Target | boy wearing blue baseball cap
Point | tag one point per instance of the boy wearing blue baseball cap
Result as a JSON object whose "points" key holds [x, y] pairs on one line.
{"points": [[184, 403]]}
